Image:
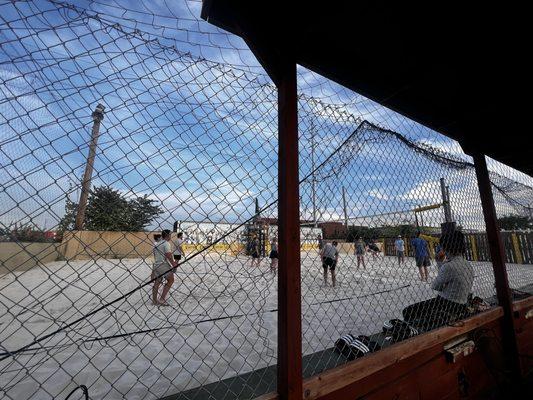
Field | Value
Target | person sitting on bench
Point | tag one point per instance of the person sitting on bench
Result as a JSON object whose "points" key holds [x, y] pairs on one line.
{"points": [[454, 284]]}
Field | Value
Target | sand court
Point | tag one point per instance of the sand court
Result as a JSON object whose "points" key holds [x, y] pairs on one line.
{"points": [[222, 320]]}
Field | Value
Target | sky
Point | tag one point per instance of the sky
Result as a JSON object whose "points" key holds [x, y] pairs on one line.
{"points": [[191, 121]]}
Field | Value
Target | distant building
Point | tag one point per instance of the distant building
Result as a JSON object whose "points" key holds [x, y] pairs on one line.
{"points": [[333, 230]]}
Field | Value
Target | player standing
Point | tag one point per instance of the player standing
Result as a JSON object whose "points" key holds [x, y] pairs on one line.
{"points": [[178, 247], [162, 268], [254, 251], [360, 252], [274, 255], [330, 257], [421, 256], [399, 244]]}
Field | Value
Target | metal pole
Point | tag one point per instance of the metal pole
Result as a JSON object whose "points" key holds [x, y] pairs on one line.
{"points": [[98, 116], [445, 202], [289, 290], [497, 254], [345, 208], [449, 203], [313, 179]]}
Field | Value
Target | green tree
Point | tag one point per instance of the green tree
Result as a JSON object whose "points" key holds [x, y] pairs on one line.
{"points": [[68, 220], [515, 223], [143, 211], [109, 210]]}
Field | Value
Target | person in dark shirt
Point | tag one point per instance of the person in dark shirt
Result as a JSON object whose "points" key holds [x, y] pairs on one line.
{"points": [[421, 256]]}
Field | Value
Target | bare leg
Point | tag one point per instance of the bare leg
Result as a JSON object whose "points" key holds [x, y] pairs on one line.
{"points": [[166, 288], [421, 272], [155, 291], [363, 260], [333, 278], [426, 275], [325, 277]]}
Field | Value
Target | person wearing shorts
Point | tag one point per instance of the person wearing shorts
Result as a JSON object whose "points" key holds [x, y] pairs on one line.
{"points": [[400, 249], [255, 251], [330, 257], [360, 252], [162, 269], [178, 247], [421, 256], [274, 255], [374, 249]]}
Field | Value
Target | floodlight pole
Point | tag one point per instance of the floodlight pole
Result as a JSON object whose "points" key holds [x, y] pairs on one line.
{"points": [[344, 206], [98, 116]]}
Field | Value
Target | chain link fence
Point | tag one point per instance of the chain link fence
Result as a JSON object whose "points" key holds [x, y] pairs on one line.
{"points": [[387, 201], [117, 123]]}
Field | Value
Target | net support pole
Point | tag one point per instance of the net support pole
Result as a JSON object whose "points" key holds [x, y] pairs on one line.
{"points": [[445, 202], [289, 290], [497, 254]]}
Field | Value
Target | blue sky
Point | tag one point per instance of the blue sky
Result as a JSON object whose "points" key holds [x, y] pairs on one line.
{"points": [[191, 121]]}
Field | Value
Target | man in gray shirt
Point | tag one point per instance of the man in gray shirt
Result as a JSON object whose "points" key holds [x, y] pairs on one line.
{"points": [[453, 284], [330, 256]]}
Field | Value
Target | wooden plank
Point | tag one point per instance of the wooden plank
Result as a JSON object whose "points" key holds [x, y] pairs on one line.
{"points": [[497, 253], [523, 304], [289, 281], [268, 396], [343, 376]]}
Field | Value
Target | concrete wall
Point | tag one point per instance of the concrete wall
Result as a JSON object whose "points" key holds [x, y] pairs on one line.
{"points": [[21, 256], [83, 245]]}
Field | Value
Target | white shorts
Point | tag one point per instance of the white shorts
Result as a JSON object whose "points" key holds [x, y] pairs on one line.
{"points": [[162, 270]]}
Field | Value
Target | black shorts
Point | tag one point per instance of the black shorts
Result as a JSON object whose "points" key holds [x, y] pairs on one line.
{"points": [[422, 261], [329, 262], [274, 254], [177, 257]]}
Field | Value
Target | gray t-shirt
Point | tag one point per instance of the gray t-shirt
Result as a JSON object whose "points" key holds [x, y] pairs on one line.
{"points": [[399, 243], [160, 249], [455, 279], [330, 251], [178, 243]]}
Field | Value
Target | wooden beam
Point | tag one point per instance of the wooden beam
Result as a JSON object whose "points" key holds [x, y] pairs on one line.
{"points": [[289, 290], [523, 304], [497, 254], [352, 373]]}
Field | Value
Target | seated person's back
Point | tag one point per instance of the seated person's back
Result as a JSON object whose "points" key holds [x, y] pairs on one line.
{"points": [[454, 280]]}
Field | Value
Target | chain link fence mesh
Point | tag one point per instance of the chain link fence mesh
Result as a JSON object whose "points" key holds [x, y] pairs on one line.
{"points": [[183, 124]]}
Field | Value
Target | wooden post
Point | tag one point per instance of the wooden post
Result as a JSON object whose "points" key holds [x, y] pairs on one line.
{"points": [[98, 116], [497, 254], [289, 291]]}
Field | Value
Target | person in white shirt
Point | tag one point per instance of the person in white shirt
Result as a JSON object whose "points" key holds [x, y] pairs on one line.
{"points": [[400, 249], [163, 268], [178, 247], [330, 257]]}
